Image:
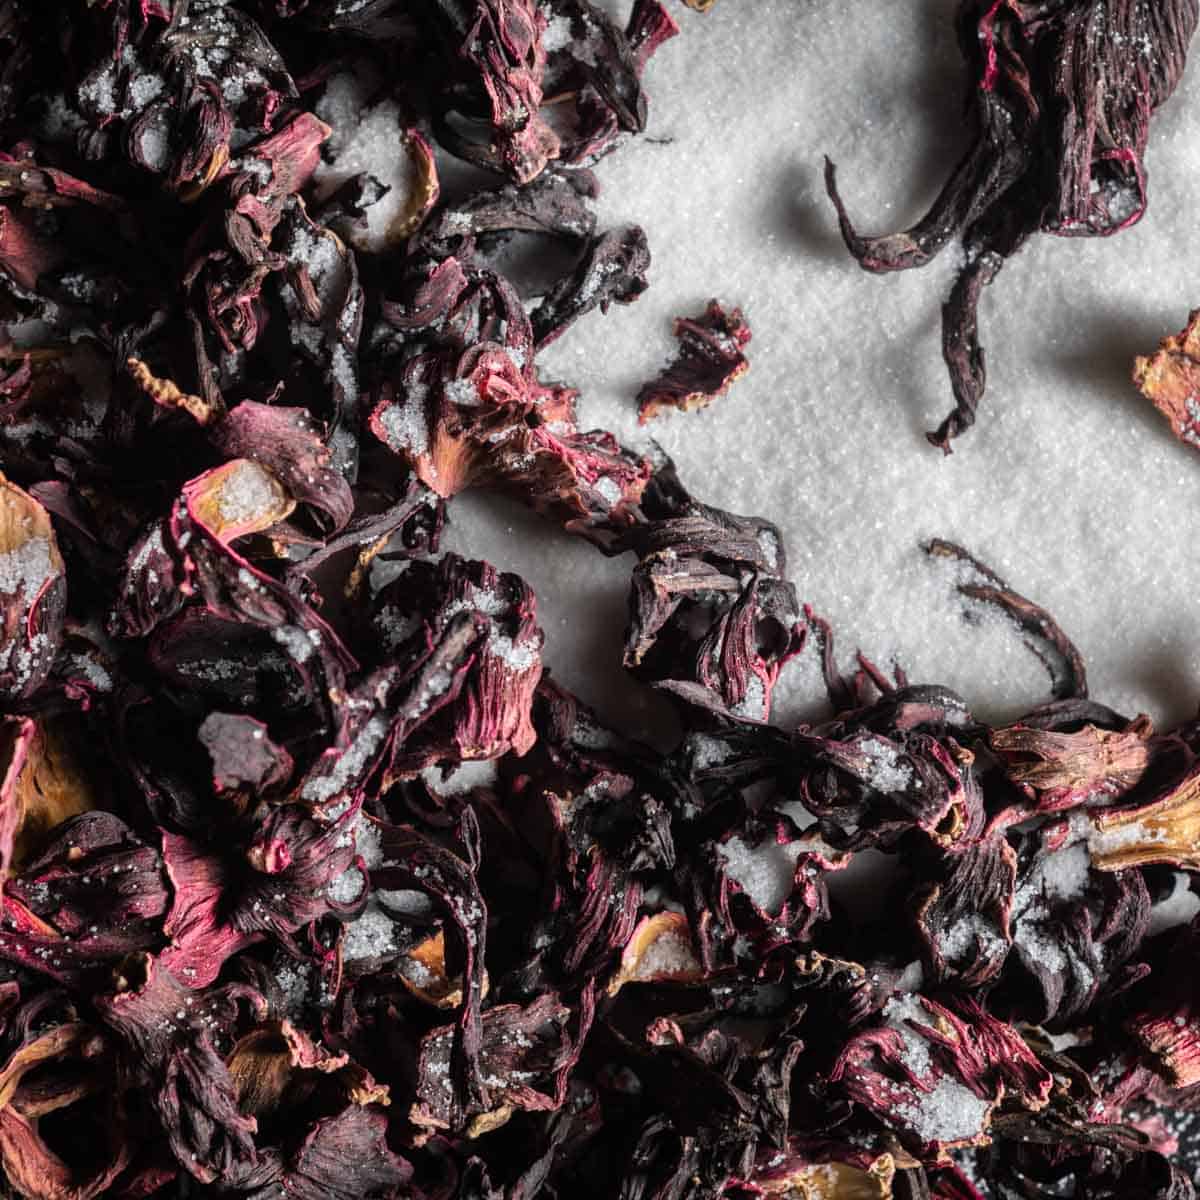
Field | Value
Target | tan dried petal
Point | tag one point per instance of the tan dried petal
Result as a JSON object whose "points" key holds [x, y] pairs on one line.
{"points": [[660, 949], [194, 189], [168, 394], [42, 786], [56, 1043], [268, 1060], [836, 1181], [1170, 380], [1166, 830], [486, 1122]]}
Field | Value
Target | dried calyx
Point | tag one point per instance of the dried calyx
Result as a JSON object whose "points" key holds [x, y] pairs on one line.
{"points": [[1059, 106]]}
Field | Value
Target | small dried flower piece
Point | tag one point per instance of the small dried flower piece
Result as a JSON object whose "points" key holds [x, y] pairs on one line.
{"points": [[1170, 380], [1060, 103], [1066, 769], [710, 358], [712, 618]]}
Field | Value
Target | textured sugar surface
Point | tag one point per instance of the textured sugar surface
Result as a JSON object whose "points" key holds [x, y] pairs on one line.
{"points": [[247, 493], [367, 140], [668, 954], [1070, 485]]}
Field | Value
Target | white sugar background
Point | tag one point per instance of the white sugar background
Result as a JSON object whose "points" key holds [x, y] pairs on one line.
{"points": [[1069, 485]]}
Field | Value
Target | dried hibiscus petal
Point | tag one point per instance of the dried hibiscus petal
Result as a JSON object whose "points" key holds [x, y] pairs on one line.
{"points": [[43, 785], [939, 1070], [710, 358]]}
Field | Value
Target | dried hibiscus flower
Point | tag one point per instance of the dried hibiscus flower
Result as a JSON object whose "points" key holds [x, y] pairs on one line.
{"points": [[1060, 120], [316, 880]]}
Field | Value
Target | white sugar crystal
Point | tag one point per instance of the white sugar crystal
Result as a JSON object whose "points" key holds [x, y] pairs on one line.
{"points": [[609, 489], [144, 88], [348, 886], [765, 872], [1038, 945], [405, 900], [461, 391], [464, 777], [295, 641], [344, 373], [295, 981], [416, 972], [669, 954], [557, 34], [155, 145], [58, 122], [1064, 873], [707, 751], [247, 493], [396, 627], [754, 703], [318, 251], [370, 141], [768, 543], [886, 772], [517, 656], [968, 936], [100, 91], [436, 686], [950, 1112], [351, 763], [898, 1012], [1061, 874], [368, 842], [404, 423], [372, 935], [92, 671], [26, 568]]}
